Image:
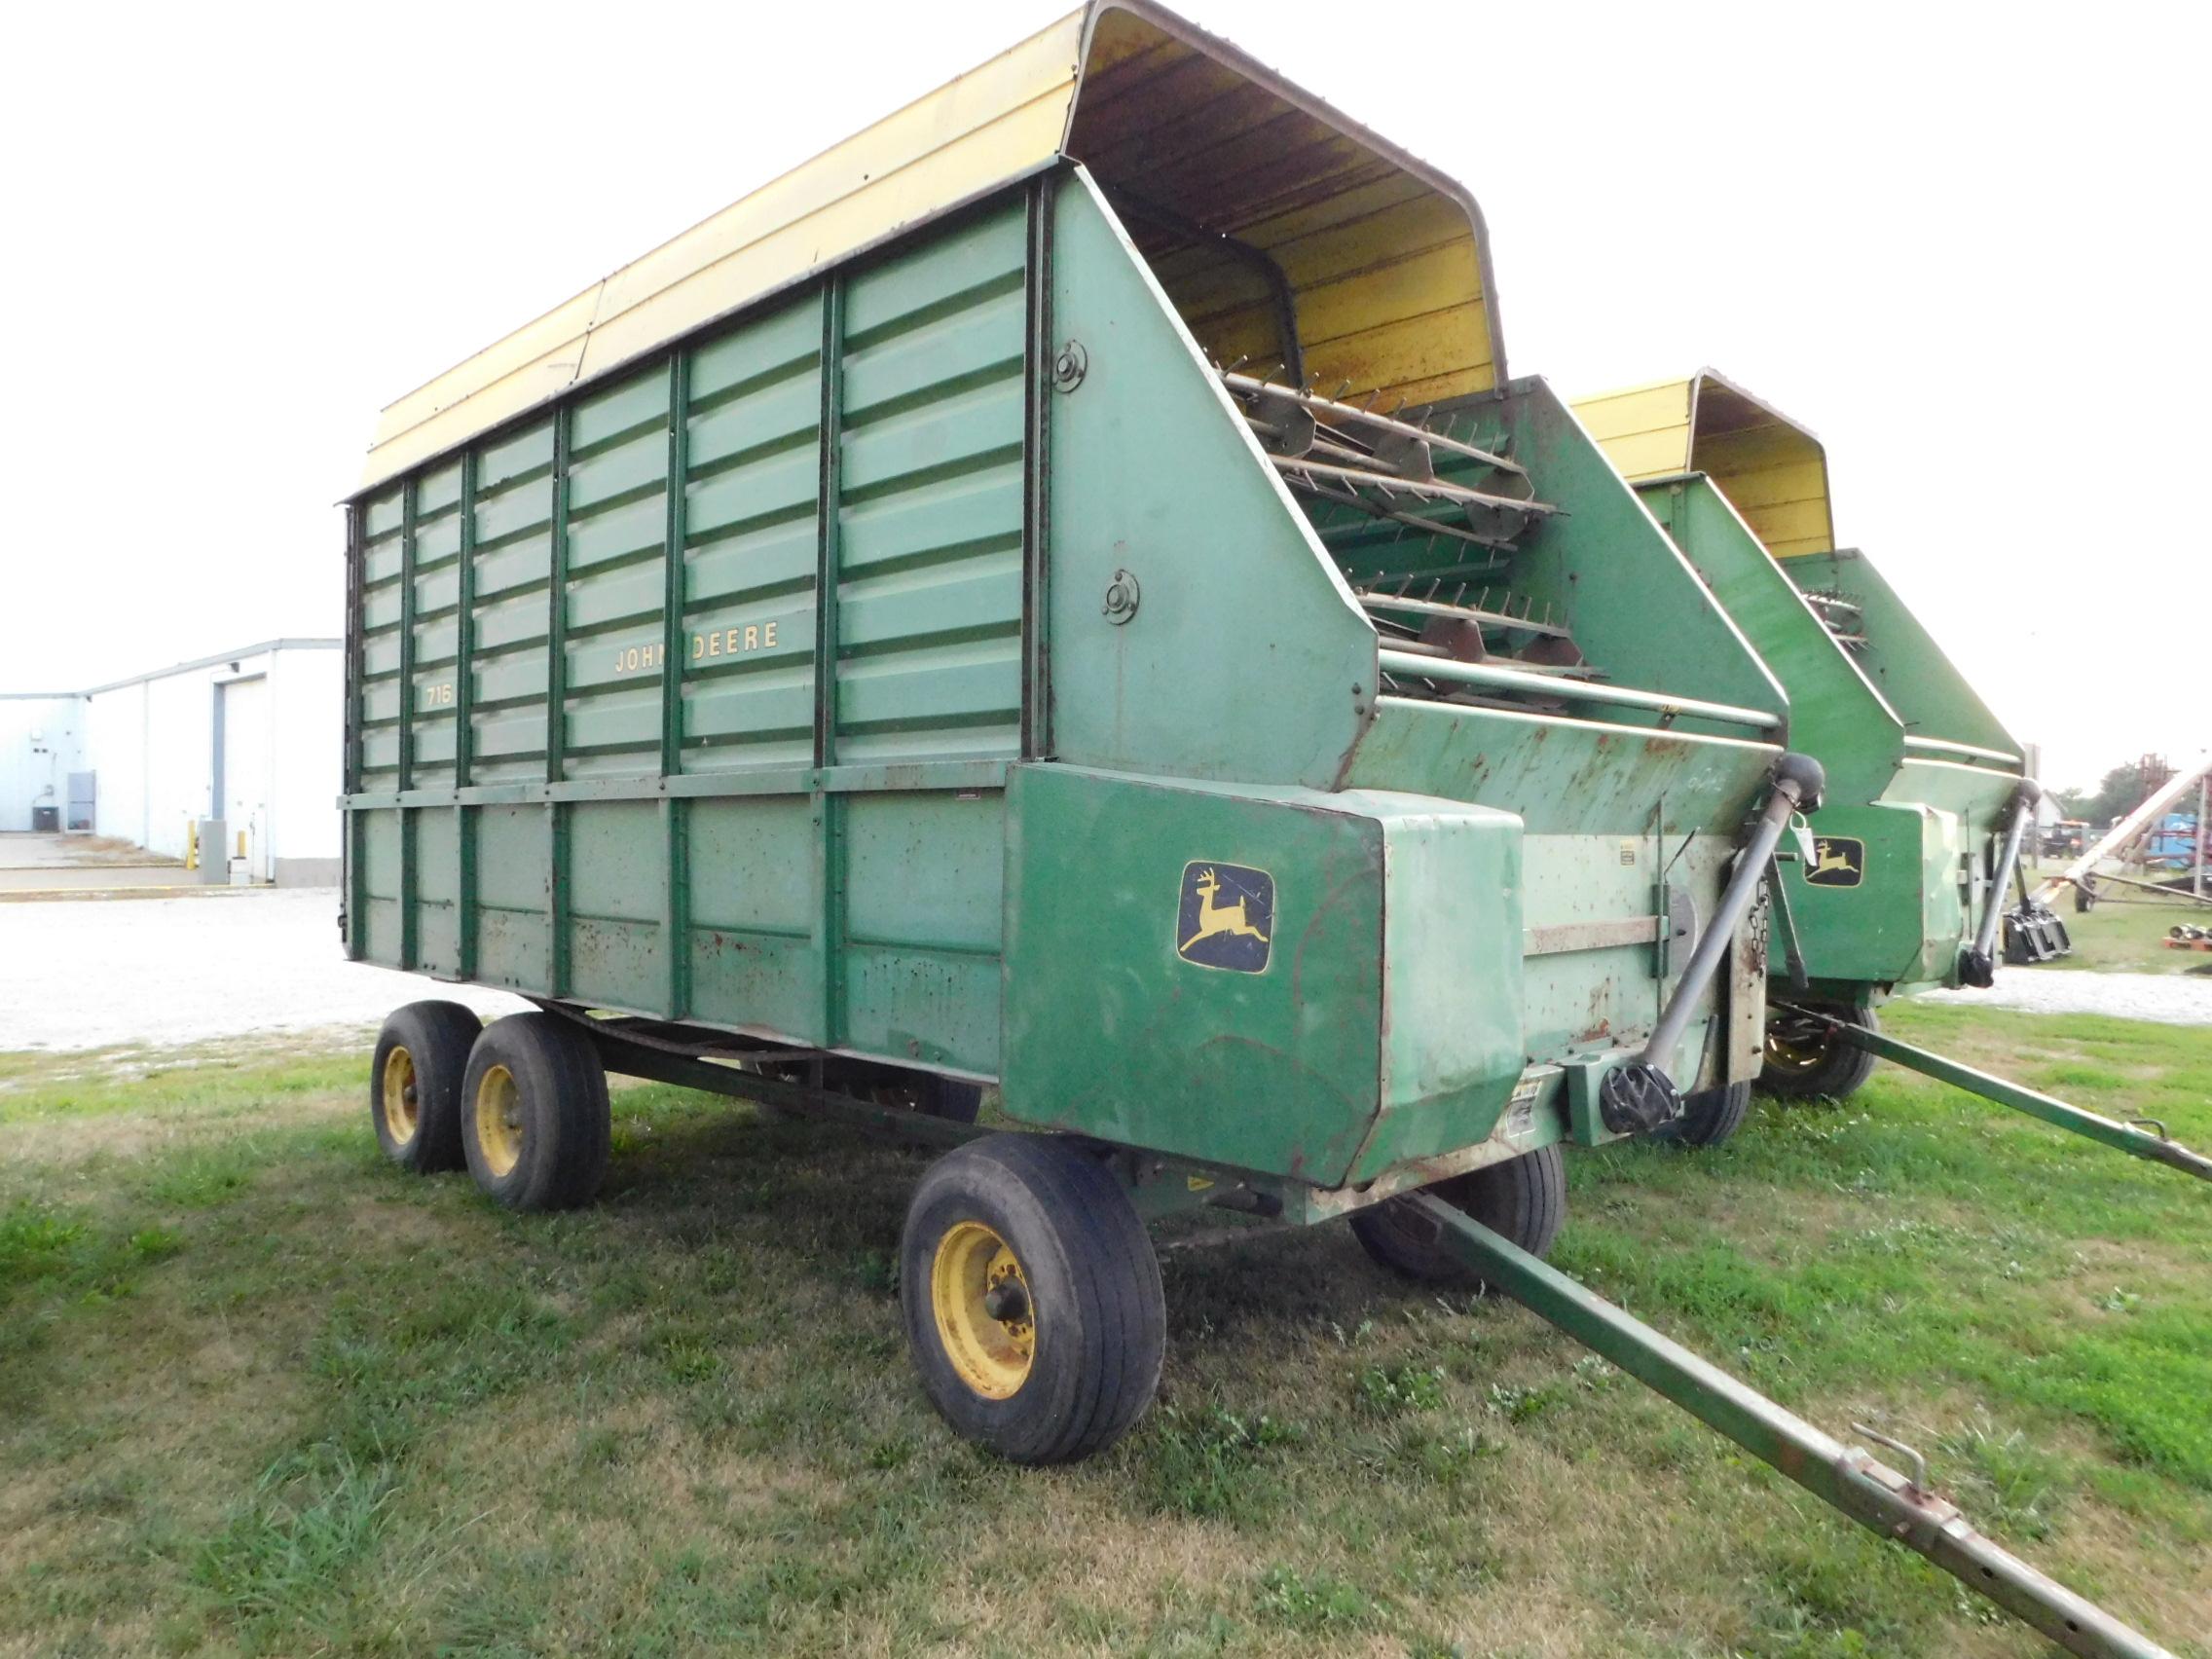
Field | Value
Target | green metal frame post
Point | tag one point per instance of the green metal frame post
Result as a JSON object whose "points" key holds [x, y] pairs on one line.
{"points": [[676, 897], [1036, 508], [464, 725], [408, 945], [356, 643], [828, 810], [556, 721]]}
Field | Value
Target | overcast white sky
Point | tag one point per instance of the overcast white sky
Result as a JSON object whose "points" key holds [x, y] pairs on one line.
{"points": [[1965, 245]]}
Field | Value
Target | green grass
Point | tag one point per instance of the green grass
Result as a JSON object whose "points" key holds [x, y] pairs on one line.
{"points": [[262, 1394], [2128, 934]]}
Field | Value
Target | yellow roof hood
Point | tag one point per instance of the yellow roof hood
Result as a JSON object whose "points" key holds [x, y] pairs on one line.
{"points": [[1773, 470], [1210, 158]]}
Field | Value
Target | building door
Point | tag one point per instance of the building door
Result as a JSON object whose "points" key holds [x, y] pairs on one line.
{"points": [[242, 791]]}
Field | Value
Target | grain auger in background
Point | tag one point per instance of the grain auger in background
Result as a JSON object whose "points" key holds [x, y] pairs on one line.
{"points": [[1915, 848], [870, 648]]}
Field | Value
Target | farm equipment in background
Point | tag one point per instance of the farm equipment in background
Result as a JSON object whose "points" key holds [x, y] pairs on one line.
{"points": [[1927, 806], [2084, 877], [934, 625]]}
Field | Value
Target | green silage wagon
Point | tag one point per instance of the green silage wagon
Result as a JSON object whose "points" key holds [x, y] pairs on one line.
{"points": [[1060, 595], [1910, 875]]}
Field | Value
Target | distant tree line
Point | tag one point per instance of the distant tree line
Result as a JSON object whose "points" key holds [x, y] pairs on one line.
{"points": [[2121, 791]]}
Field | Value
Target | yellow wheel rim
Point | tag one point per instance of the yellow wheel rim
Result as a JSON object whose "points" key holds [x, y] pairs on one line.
{"points": [[401, 1115], [499, 1120], [984, 1315], [1784, 1055]]}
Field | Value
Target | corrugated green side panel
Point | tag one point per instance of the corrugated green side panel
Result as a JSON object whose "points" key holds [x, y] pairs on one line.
{"points": [[753, 544], [513, 932], [930, 492], [863, 915], [756, 906], [924, 905], [615, 529], [436, 627], [378, 849], [510, 620], [378, 691]]}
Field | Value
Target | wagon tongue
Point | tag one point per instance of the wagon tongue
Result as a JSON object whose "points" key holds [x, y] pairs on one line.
{"points": [[1896, 1506], [1642, 1095]]}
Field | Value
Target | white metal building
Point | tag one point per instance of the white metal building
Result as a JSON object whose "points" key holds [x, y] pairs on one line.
{"points": [[252, 737], [42, 741]]}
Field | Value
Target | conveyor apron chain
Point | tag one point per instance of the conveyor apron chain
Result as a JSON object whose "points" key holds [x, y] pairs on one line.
{"points": [[1847, 1477]]}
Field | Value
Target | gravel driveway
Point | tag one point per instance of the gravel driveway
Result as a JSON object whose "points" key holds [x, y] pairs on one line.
{"points": [[2170, 999]]}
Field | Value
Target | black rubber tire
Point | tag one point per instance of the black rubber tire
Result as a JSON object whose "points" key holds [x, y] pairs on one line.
{"points": [[437, 1037], [1524, 1199], [1839, 1071], [1101, 1318], [1708, 1117], [561, 1100]]}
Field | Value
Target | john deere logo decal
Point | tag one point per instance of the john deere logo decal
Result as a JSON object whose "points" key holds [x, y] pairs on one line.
{"points": [[1837, 862], [1226, 917]]}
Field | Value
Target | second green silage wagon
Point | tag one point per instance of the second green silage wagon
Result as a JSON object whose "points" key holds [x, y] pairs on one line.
{"points": [[1911, 873], [1061, 595]]}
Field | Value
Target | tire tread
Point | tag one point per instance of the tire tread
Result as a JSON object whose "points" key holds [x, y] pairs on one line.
{"points": [[1114, 1276]]}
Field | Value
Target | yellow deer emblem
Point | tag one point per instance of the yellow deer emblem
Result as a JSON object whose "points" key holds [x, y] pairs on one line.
{"points": [[1214, 918], [1832, 857]]}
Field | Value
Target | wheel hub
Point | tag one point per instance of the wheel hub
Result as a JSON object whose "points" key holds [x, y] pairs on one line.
{"points": [[984, 1315], [499, 1120], [401, 1115]]}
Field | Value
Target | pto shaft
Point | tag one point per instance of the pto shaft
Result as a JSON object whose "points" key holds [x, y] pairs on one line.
{"points": [[1642, 1095], [1979, 965]]}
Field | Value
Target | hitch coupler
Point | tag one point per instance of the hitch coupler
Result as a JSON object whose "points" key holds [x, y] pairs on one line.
{"points": [[1642, 1094]]}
